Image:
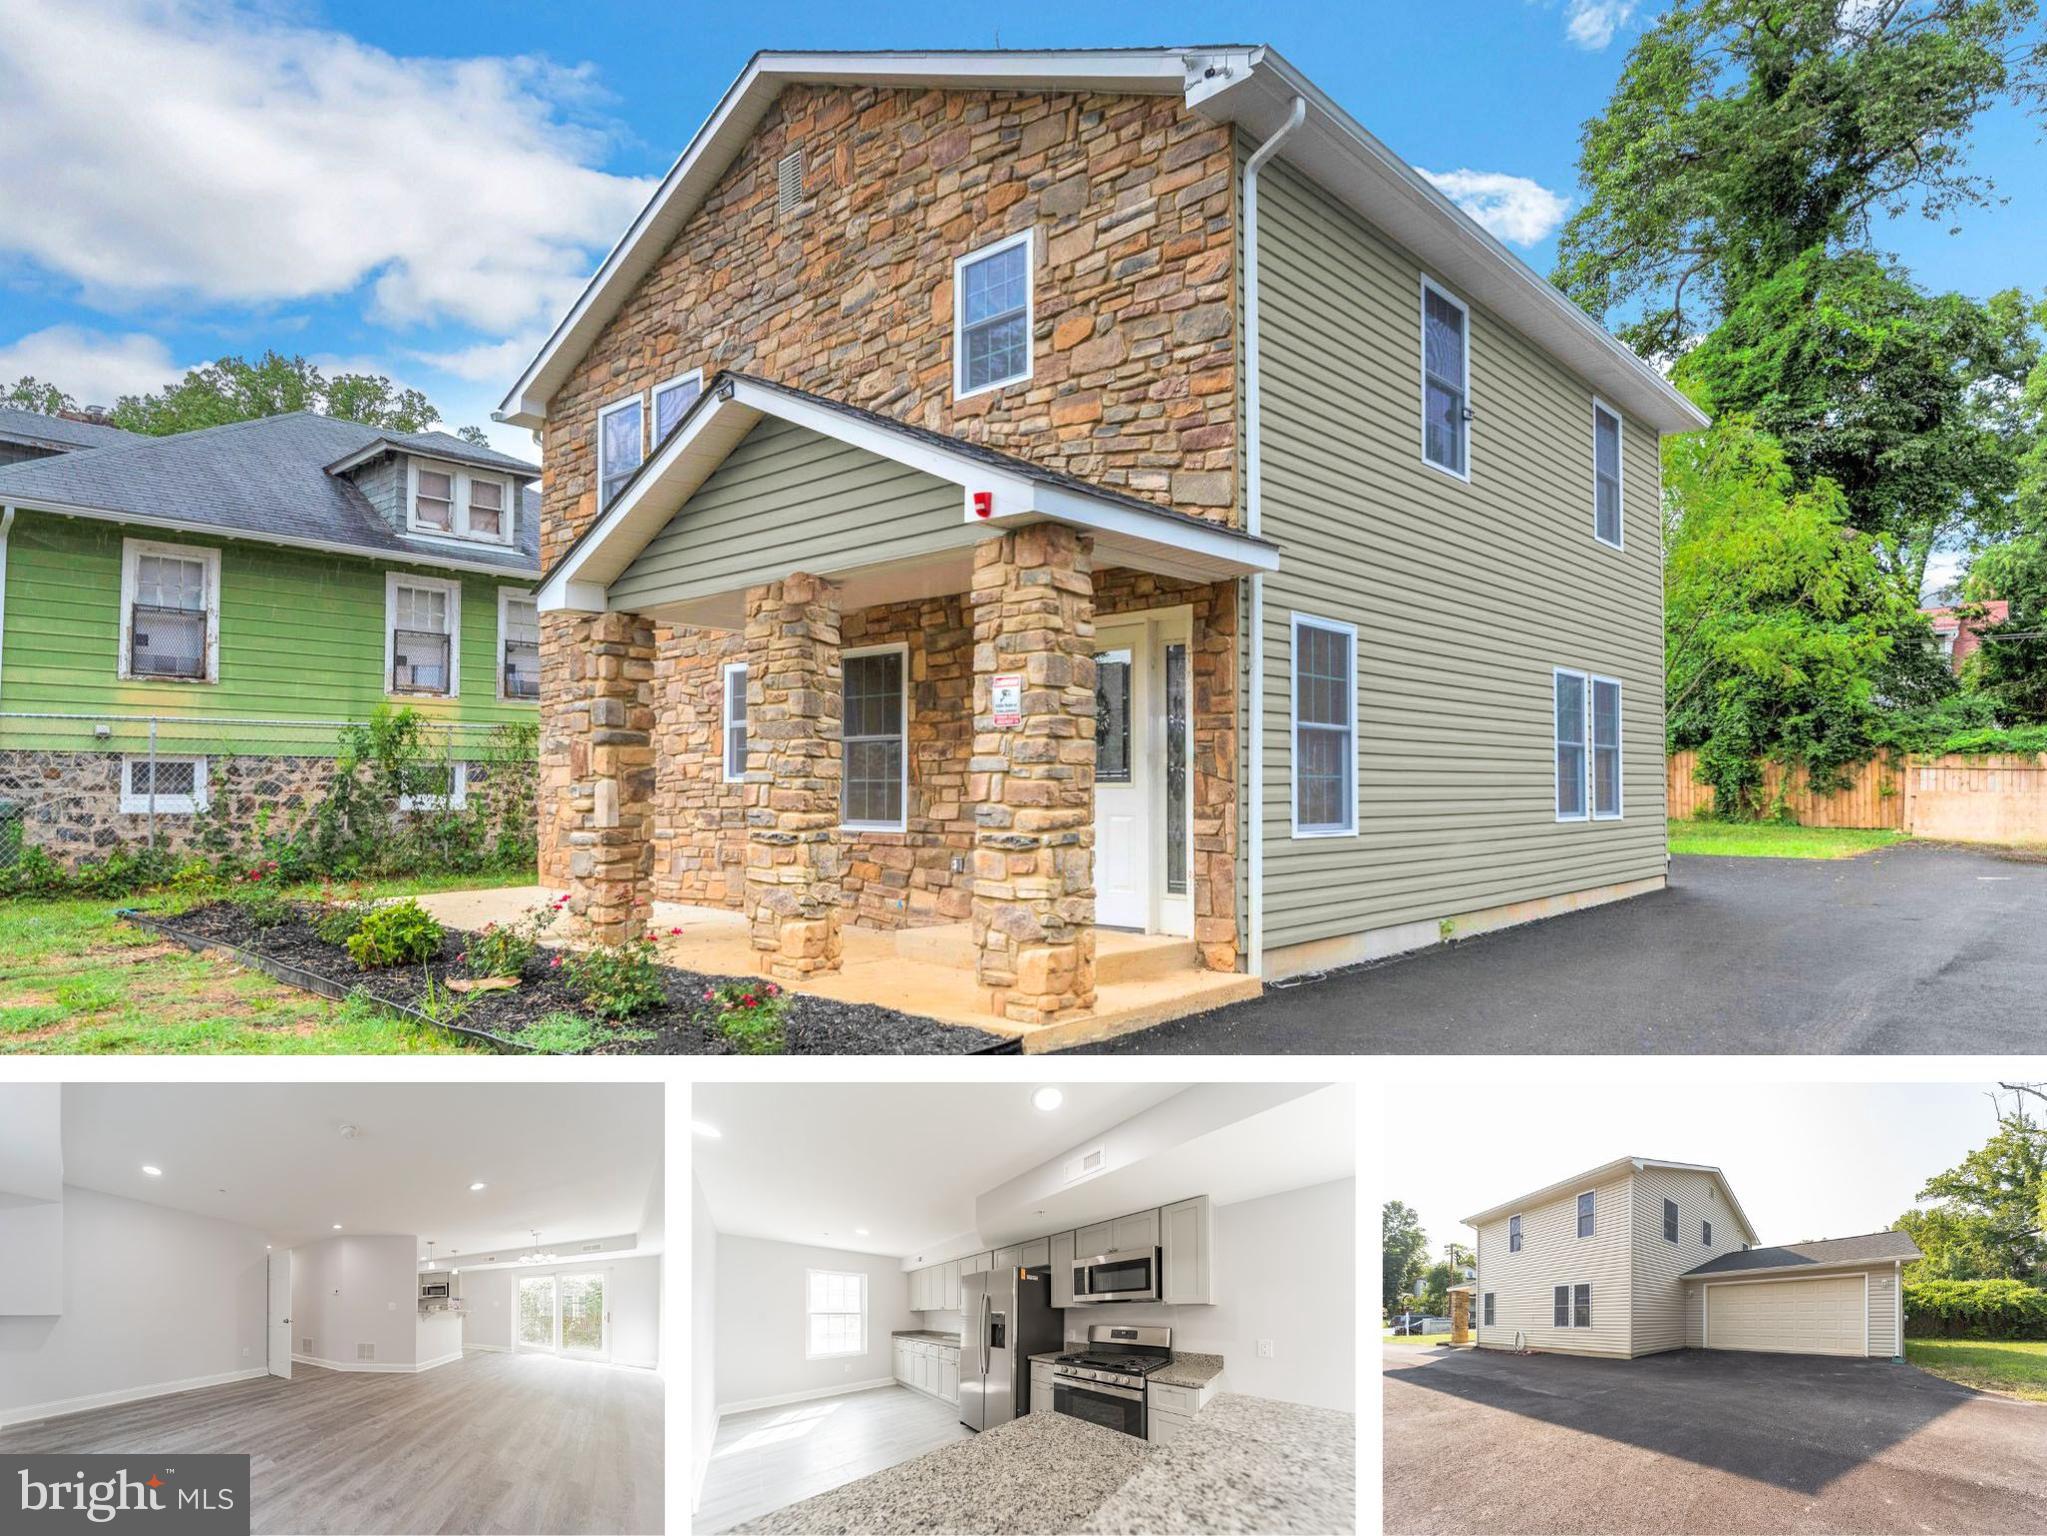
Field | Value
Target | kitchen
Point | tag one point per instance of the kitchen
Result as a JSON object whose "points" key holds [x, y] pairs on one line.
{"points": [[1144, 1318]]}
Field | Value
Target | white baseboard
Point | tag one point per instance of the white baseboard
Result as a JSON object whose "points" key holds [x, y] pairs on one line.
{"points": [[365, 1367], [427, 1365], [35, 1412], [702, 1467], [494, 1349], [803, 1397]]}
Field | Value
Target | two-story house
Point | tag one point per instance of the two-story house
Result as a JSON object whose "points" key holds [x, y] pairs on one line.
{"points": [[1003, 489], [1639, 1256], [187, 621]]}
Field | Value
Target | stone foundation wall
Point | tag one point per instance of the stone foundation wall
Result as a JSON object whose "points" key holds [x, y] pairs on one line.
{"points": [[70, 802]]}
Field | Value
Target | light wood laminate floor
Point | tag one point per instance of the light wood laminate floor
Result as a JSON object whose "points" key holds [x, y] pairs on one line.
{"points": [[770, 1457], [493, 1443]]}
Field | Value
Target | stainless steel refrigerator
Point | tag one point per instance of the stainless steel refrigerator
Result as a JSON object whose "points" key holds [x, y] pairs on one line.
{"points": [[1009, 1318]]}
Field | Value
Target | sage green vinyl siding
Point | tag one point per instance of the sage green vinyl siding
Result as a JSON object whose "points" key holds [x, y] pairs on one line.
{"points": [[789, 499], [1465, 596], [1553, 1254], [301, 638], [1659, 1294]]}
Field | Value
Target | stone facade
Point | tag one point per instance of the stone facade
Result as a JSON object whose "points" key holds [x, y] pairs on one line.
{"points": [[69, 803], [599, 733]]}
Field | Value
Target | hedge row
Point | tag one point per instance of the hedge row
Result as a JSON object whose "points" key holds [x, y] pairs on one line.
{"points": [[1975, 1309]]}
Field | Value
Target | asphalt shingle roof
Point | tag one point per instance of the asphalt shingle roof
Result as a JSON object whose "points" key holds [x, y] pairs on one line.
{"points": [[266, 478], [1869, 1248], [38, 430]]}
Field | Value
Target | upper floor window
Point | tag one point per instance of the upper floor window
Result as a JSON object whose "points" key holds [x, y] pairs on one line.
{"points": [[621, 444], [672, 402], [458, 503], [1325, 728], [1446, 382], [518, 645], [422, 634], [1706, 1233], [1513, 1234], [992, 316], [1606, 475], [1585, 1214], [1670, 1220], [170, 611]]}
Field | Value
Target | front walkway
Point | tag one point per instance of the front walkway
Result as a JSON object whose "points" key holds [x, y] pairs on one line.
{"points": [[1139, 981]]}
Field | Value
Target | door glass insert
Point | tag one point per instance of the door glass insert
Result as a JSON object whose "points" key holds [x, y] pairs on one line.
{"points": [[536, 1311], [1176, 770], [582, 1306], [1112, 717]]}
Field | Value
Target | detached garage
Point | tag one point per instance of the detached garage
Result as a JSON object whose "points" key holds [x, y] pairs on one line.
{"points": [[1841, 1297]]}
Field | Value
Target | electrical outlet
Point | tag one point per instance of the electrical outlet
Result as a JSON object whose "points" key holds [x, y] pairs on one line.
{"points": [[390, 1306], [1265, 1349]]}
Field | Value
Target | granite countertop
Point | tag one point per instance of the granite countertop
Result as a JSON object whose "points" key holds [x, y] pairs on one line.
{"points": [[1049, 1356], [1243, 1464], [1040, 1475], [930, 1334], [1189, 1371]]}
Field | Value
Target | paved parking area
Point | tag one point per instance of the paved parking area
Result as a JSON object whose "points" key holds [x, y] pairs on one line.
{"points": [[1481, 1442], [1909, 950]]}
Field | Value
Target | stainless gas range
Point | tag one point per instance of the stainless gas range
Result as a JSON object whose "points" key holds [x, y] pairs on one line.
{"points": [[1104, 1383]]}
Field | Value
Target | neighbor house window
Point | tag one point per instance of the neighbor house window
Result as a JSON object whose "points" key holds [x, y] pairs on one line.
{"points": [[459, 503], [1325, 728], [487, 517], [1487, 1314], [422, 634], [672, 402], [1446, 382], [435, 787], [1513, 1234], [992, 316], [1581, 1307], [1606, 475], [1670, 1220], [518, 645], [1606, 748], [735, 721], [620, 447], [170, 611], [1560, 1307], [1706, 1233], [876, 715], [167, 786], [1585, 1214], [433, 499], [1569, 691], [835, 1314]]}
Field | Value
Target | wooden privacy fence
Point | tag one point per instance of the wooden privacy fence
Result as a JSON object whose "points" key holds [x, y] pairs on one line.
{"points": [[1967, 799]]}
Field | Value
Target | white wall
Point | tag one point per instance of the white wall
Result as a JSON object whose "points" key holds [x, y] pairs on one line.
{"points": [[437, 1337], [632, 1296], [759, 1339], [486, 1308], [154, 1300], [31, 1199], [703, 1337], [348, 1291]]}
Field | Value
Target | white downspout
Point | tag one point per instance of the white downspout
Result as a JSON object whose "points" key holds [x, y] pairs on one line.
{"points": [[6, 528], [1254, 519]]}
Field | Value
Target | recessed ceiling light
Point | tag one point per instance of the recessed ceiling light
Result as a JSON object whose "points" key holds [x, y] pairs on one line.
{"points": [[337, 1226], [708, 1132], [1047, 1099], [475, 1187], [860, 1232], [152, 1170]]}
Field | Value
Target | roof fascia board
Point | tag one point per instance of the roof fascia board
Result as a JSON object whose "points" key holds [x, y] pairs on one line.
{"points": [[1763, 1272], [524, 474], [1575, 1184]]}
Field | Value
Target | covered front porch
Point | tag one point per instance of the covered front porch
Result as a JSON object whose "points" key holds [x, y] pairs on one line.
{"points": [[829, 678]]}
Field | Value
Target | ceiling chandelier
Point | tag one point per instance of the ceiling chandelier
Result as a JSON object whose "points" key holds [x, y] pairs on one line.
{"points": [[537, 1255]]}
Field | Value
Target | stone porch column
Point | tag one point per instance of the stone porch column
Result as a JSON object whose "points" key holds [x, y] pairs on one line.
{"points": [[1032, 783], [795, 712], [604, 814]]}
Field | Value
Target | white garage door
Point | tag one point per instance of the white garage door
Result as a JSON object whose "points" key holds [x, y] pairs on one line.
{"points": [[1793, 1317]]}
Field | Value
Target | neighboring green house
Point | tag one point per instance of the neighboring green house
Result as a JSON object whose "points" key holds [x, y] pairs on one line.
{"points": [[189, 620]]}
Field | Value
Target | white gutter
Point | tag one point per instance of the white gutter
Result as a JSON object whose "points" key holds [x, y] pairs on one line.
{"points": [[1254, 517], [6, 528]]}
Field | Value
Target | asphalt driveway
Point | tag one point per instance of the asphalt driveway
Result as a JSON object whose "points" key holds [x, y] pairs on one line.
{"points": [[1909, 950], [1490, 1442]]}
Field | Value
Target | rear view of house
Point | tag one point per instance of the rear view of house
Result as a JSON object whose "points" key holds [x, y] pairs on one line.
{"points": [[1640, 1256]]}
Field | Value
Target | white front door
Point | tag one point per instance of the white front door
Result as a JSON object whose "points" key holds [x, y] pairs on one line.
{"points": [[279, 1331], [1143, 779]]}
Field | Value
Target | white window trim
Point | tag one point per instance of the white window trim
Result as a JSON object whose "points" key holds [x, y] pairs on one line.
{"points": [[1299, 622], [636, 400], [1576, 1287], [460, 478], [1675, 1233], [1514, 1246], [505, 596], [393, 580], [1029, 240], [132, 551], [1620, 747], [1594, 1193], [1569, 1313], [736, 774], [1620, 473], [1705, 1233], [457, 796], [133, 804], [1556, 677], [902, 649], [836, 1354], [1429, 286], [694, 376]]}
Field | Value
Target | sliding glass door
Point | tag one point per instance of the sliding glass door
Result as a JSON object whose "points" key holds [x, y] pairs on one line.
{"points": [[564, 1314], [536, 1312]]}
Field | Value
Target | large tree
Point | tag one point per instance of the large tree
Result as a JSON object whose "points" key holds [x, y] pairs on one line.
{"points": [[1993, 1204], [1403, 1246], [29, 393], [236, 389]]}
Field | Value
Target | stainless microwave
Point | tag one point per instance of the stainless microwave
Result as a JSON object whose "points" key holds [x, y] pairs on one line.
{"points": [[433, 1288], [1132, 1275]]}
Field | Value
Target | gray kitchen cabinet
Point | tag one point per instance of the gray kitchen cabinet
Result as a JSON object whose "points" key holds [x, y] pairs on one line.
{"points": [[1187, 1235], [1036, 1253], [1138, 1230], [1061, 1245], [1089, 1242], [1004, 1258]]}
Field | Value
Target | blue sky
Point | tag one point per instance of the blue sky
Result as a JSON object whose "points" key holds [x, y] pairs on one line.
{"points": [[421, 190]]}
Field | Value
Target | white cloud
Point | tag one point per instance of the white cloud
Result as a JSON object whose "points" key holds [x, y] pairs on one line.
{"points": [[204, 149], [1517, 210], [488, 361], [1593, 23], [93, 367]]}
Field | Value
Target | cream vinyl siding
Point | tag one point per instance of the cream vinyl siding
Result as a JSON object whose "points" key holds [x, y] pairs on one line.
{"points": [[1465, 596], [1883, 1311], [789, 499], [1659, 1294], [1553, 1254]]}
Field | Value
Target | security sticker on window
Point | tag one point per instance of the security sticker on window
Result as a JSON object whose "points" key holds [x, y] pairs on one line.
{"points": [[174, 1495], [1006, 702]]}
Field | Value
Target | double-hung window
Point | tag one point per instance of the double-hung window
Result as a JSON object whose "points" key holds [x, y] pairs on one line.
{"points": [[672, 402], [1325, 728], [170, 611], [453, 502], [621, 444], [1588, 745], [422, 635], [1487, 1311], [1581, 1306], [1446, 382], [1560, 1307], [1606, 475], [518, 645], [1586, 1216], [433, 499], [1670, 1221], [835, 1313], [1706, 1233], [1513, 1234], [876, 722], [992, 316], [735, 721]]}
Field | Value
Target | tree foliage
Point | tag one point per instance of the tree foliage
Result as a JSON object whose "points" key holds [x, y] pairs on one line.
{"points": [[1991, 1223], [29, 393], [1403, 1246], [236, 389]]}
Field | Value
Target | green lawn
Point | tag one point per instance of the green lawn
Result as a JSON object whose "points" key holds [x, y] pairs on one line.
{"points": [[75, 979], [2014, 1368], [1768, 840]]}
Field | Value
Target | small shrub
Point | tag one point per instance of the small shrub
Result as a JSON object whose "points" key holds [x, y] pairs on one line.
{"points": [[260, 895], [1975, 1309], [195, 877], [338, 922], [618, 982], [35, 873], [751, 1015], [399, 934], [504, 951]]}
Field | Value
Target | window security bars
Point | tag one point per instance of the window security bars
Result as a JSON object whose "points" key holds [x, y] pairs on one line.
{"points": [[167, 642], [419, 662]]}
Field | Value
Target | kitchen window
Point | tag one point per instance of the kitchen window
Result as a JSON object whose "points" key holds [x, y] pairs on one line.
{"points": [[518, 646], [735, 721], [1325, 728], [835, 1321], [1513, 1234], [1586, 1223], [1488, 1310], [621, 444], [422, 635], [876, 720], [1670, 1221], [992, 316], [170, 611], [167, 786], [1706, 1233], [1581, 1307], [672, 402], [1606, 475], [452, 502], [1446, 382], [1560, 1307]]}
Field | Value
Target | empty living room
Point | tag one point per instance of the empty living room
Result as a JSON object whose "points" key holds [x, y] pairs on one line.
{"points": [[410, 1306]]}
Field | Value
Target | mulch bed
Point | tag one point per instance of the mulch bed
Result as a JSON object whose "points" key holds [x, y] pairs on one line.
{"points": [[683, 1026]]}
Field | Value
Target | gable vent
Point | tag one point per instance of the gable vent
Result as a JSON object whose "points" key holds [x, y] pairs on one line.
{"points": [[789, 181], [365, 1351]]}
